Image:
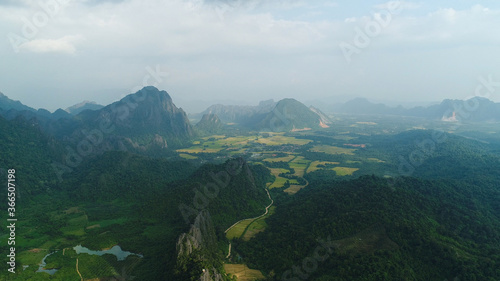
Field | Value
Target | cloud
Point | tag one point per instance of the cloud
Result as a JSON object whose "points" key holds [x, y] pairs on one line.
{"points": [[403, 5], [64, 44], [255, 47]]}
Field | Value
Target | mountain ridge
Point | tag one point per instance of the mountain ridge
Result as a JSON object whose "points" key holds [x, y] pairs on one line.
{"points": [[476, 109]]}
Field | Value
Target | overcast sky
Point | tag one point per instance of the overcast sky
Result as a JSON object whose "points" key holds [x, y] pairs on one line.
{"points": [[243, 51]]}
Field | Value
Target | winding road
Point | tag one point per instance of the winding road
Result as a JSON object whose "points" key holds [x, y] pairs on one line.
{"points": [[265, 213], [78, 270]]}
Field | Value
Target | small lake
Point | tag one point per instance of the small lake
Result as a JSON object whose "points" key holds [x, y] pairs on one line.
{"points": [[116, 250], [43, 264]]}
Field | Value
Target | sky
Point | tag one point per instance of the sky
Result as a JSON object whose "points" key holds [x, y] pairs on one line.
{"points": [[56, 53]]}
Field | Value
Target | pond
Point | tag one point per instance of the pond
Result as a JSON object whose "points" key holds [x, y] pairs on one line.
{"points": [[115, 250], [43, 264]]}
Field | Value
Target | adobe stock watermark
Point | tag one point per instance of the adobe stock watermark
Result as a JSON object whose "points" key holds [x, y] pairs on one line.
{"points": [[94, 138], [40, 19], [363, 36], [461, 112], [310, 264]]}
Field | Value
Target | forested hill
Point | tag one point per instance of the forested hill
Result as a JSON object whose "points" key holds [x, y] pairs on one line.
{"points": [[140, 203], [24, 148], [374, 229]]}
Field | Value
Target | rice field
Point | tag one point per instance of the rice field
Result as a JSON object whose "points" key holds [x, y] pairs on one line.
{"points": [[314, 165], [280, 159], [294, 189], [237, 230], [345, 171], [332, 149], [187, 156], [280, 182], [258, 225], [243, 273], [299, 164], [279, 139]]}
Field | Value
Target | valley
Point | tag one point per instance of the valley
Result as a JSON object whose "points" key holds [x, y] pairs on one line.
{"points": [[250, 201]]}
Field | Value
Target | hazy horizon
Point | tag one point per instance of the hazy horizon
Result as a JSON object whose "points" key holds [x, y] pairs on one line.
{"points": [[59, 53]]}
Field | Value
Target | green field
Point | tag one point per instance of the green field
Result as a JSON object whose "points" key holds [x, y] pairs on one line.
{"points": [[332, 149], [187, 156], [279, 139], [280, 159], [237, 230], [243, 273], [280, 182], [294, 189], [314, 165], [345, 171], [299, 164], [258, 225]]}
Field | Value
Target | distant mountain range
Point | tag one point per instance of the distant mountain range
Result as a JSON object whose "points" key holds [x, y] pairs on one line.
{"points": [[240, 114], [10, 109], [472, 110], [285, 115], [149, 120]]}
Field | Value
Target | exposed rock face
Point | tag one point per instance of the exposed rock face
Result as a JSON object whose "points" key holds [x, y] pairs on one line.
{"points": [[196, 250], [325, 122], [201, 233], [148, 111], [210, 123]]}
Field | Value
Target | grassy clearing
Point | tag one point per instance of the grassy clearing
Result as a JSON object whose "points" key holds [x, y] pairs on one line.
{"points": [[238, 229], [332, 149], [187, 156], [243, 273], [277, 171], [344, 171], [279, 139], [32, 257], [243, 140], [280, 182], [258, 225], [299, 164], [314, 165], [294, 189]]}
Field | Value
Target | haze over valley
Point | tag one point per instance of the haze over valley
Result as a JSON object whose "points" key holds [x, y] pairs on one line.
{"points": [[249, 140]]}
